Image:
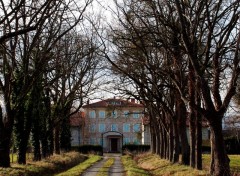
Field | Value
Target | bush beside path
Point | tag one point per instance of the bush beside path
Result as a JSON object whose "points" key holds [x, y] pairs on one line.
{"points": [[155, 166], [47, 167]]}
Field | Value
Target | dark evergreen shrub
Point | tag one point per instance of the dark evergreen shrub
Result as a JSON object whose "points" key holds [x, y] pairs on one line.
{"points": [[85, 149], [232, 145], [136, 148], [206, 149]]}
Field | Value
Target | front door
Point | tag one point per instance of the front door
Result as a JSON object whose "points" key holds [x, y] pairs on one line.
{"points": [[114, 144]]}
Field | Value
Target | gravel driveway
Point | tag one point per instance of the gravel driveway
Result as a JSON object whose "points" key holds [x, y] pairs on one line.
{"points": [[115, 170]]}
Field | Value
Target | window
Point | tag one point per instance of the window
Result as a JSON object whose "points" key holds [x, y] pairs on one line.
{"points": [[114, 114], [99, 141], [136, 128], [136, 115], [126, 140], [92, 128], [92, 141], [101, 127], [115, 103], [101, 114], [136, 141], [112, 103], [126, 127], [92, 114], [114, 127], [126, 113]]}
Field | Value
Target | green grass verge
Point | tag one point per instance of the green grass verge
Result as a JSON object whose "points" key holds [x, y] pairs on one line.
{"points": [[131, 167], [79, 169], [46, 167], [156, 166], [234, 163], [103, 171]]}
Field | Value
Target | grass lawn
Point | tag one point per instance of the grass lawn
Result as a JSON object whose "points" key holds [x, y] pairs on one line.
{"points": [[234, 163], [131, 167], [49, 166], [79, 169], [156, 166]]}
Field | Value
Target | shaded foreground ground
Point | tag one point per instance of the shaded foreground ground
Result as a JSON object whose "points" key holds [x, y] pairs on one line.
{"points": [[48, 167], [76, 164]]}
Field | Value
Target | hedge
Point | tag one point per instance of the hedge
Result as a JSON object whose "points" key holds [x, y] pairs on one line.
{"points": [[136, 148], [232, 145], [86, 149]]}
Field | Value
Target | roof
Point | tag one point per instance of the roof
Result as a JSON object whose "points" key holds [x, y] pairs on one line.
{"points": [[114, 102], [77, 119]]}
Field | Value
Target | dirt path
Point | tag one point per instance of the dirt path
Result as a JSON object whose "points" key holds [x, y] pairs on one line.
{"points": [[115, 170]]}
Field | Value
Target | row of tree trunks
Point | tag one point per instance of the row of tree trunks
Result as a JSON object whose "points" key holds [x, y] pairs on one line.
{"points": [[170, 40], [166, 138]]}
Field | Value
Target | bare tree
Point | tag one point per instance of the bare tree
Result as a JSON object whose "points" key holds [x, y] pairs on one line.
{"points": [[145, 58], [216, 30], [20, 48], [76, 64], [207, 35]]}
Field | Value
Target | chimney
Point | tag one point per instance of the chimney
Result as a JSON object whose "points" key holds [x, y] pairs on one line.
{"points": [[132, 100]]}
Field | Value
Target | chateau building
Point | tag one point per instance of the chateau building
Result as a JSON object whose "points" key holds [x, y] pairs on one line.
{"points": [[113, 123]]}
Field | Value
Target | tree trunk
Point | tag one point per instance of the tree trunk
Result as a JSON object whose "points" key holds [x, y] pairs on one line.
{"points": [[156, 129], [192, 118], [220, 164], [50, 136], [153, 139], [162, 149], [158, 142], [192, 137], [37, 152], [198, 149], [23, 128], [4, 148], [176, 150], [36, 142], [165, 144], [198, 116], [44, 139], [22, 154], [181, 116], [65, 135], [171, 142], [57, 140], [6, 127]]}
